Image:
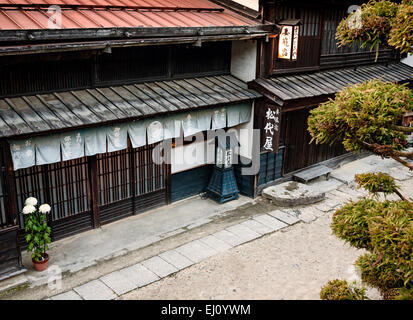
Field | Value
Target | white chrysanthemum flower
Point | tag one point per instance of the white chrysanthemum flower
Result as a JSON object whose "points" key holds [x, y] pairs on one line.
{"points": [[31, 201], [29, 209], [44, 208]]}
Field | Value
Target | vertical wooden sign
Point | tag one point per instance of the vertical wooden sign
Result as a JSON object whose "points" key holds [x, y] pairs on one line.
{"points": [[270, 129]]}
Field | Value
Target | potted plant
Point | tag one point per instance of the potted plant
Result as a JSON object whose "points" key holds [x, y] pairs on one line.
{"points": [[37, 232]]}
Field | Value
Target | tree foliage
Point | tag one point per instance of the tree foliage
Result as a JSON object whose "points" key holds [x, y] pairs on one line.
{"points": [[365, 117], [401, 33], [385, 229], [376, 183], [383, 23], [341, 290]]}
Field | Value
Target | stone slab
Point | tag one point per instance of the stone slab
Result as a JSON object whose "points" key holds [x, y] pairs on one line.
{"points": [[307, 214], [270, 222], [325, 185], [176, 259], [120, 281], [215, 243], [228, 237], [347, 172], [196, 251], [284, 217], [315, 212], [400, 174], [142, 275], [95, 290], [312, 173], [257, 226], [159, 266], [12, 282], [243, 232], [292, 193], [69, 295], [129, 278], [327, 205], [343, 195]]}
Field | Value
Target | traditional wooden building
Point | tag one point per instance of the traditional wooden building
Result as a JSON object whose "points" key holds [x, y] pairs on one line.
{"points": [[301, 68], [89, 88]]}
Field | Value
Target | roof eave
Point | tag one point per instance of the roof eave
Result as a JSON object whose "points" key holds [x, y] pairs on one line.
{"points": [[21, 49], [31, 36]]}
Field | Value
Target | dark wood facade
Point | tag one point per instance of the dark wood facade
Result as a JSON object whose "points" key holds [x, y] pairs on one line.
{"points": [[10, 258], [317, 52], [54, 72], [126, 183], [88, 192]]}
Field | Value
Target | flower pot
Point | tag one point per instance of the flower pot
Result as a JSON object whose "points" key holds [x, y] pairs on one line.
{"points": [[41, 265]]}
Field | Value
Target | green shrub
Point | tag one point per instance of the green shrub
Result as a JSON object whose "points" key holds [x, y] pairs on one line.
{"points": [[376, 17], [401, 34], [404, 294], [350, 222], [386, 229], [341, 290], [379, 272], [377, 182], [360, 114], [391, 235]]}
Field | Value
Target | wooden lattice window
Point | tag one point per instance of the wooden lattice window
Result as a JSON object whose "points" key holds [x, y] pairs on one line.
{"points": [[63, 185]]}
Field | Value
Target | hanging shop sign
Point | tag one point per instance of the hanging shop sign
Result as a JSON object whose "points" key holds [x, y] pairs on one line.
{"points": [[271, 128], [288, 39]]}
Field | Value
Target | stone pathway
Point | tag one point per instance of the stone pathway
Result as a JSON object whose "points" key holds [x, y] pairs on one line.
{"points": [[141, 274], [148, 269], [119, 282]]}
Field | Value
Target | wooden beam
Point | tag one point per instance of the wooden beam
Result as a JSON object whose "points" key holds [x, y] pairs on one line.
{"points": [[74, 6], [94, 190], [29, 36], [19, 49]]}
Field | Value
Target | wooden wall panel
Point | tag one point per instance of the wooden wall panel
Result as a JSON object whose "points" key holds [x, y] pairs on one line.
{"points": [[190, 182], [10, 260], [299, 153]]}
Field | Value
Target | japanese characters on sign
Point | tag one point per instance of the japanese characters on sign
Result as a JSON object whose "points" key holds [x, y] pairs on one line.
{"points": [[295, 43], [288, 42], [285, 42], [271, 128]]}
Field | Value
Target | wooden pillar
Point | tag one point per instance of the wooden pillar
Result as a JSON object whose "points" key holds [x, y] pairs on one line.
{"points": [[94, 190], [12, 213], [132, 174], [167, 167]]}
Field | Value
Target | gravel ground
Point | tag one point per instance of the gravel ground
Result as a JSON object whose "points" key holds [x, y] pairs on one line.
{"points": [[291, 264]]}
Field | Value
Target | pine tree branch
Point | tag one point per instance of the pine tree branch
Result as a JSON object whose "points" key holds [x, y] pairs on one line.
{"points": [[404, 129], [400, 195], [408, 155], [403, 162], [387, 151]]}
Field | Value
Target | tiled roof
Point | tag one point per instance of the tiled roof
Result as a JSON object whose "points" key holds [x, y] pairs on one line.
{"points": [[83, 108], [92, 14], [293, 87]]}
